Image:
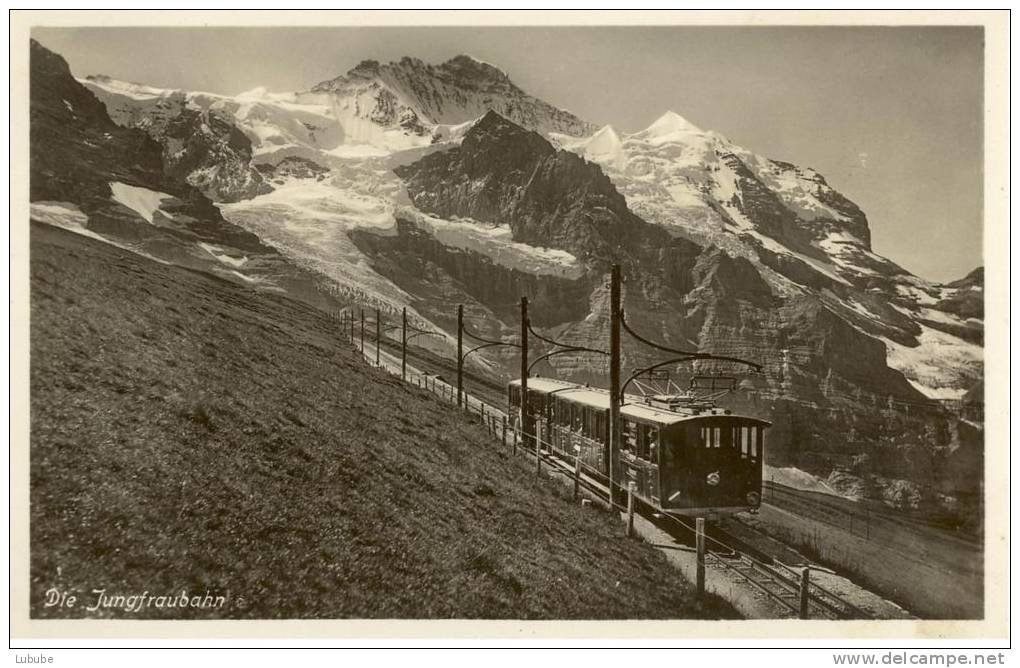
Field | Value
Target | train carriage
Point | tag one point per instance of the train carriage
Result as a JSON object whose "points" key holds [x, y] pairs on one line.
{"points": [[688, 460]]}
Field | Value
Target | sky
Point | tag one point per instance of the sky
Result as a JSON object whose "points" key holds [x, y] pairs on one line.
{"points": [[891, 117]]}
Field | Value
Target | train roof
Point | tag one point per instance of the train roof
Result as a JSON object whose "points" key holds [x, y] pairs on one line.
{"points": [[634, 407]]}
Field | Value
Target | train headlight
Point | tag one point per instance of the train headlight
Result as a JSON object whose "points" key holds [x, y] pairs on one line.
{"points": [[713, 478], [753, 499]]}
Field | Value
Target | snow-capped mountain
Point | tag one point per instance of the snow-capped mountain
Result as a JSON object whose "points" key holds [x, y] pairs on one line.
{"points": [[802, 235], [423, 100], [410, 184]]}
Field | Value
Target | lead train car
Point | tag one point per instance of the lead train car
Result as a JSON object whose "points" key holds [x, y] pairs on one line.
{"points": [[681, 460]]}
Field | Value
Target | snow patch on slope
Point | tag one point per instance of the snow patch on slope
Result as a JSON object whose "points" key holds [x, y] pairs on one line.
{"points": [[790, 476], [938, 365], [68, 216], [222, 255], [142, 201], [817, 265], [496, 242], [62, 214]]}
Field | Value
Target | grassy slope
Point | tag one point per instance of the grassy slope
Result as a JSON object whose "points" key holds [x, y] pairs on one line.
{"points": [[190, 433]]}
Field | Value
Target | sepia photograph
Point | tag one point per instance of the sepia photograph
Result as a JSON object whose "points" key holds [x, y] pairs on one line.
{"points": [[649, 324]]}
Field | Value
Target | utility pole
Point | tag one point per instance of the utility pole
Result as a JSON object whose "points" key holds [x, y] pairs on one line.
{"points": [[362, 331], [525, 431], [403, 345], [378, 335], [614, 380], [460, 353]]}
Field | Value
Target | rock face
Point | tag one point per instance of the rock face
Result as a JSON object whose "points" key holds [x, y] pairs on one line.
{"points": [[504, 173], [208, 151], [201, 146]]}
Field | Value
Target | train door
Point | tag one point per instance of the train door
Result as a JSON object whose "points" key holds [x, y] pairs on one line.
{"points": [[673, 463], [751, 448], [719, 471], [707, 465]]}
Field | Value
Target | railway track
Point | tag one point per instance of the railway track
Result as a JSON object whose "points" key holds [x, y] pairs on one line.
{"points": [[771, 577]]}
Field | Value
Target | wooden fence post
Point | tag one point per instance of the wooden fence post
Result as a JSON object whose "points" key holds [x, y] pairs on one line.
{"points": [[577, 475], [700, 538], [630, 510], [805, 582]]}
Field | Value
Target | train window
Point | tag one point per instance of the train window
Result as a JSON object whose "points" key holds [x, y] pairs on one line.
{"points": [[744, 441], [717, 437], [642, 441], [600, 426], [536, 403], [653, 444], [754, 441], [629, 440]]}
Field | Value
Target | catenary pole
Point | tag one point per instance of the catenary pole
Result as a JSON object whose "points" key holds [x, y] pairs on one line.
{"points": [[460, 354], [614, 380], [525, 429]]}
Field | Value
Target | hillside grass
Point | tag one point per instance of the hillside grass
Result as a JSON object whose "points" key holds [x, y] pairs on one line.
{"points": [[190, 433]]}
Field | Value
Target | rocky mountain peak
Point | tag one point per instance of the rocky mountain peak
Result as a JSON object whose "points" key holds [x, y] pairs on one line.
{"points": [[493, 133], [975, 279], [365, 69], [471, 67], [454, 92]]}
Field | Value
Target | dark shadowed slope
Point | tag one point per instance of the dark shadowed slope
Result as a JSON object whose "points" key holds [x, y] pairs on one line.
{"points": [[188, 433]]}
